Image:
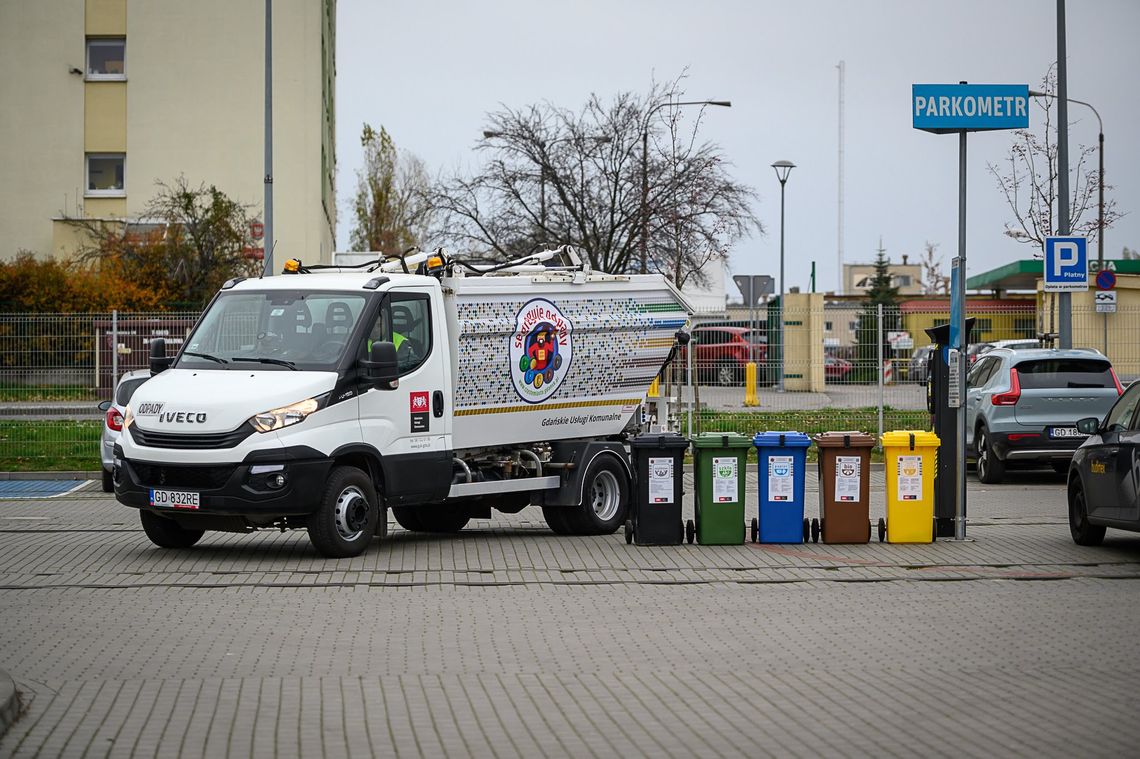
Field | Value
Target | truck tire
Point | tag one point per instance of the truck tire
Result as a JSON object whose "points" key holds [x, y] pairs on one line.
{"points": [[431, 518], [555, 517], [345, 520], [605, 499], [166, 533]]}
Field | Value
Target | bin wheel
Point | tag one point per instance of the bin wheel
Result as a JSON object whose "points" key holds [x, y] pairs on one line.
{"points": [[868, 530], [816, 528], [882, 529], [934, 530], [690, 531], [807, 530], [628, 532], [755, 530]]}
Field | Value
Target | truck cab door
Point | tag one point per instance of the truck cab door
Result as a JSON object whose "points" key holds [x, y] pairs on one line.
{"points": [[410, 425]]}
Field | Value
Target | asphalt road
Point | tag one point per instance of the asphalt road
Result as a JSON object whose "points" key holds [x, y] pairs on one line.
{"points": [[506, 640]]}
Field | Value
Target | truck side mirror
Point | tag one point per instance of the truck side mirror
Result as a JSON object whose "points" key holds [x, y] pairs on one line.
{"points": [[159, 362], [1090, 425], [381, 365]]}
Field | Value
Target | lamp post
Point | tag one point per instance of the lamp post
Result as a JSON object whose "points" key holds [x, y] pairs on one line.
{"points": [[598, 140], [1100, 190], [783, 169], [645, 171]]}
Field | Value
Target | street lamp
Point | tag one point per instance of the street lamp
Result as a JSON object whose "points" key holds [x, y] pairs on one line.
{"points": [[783, 169], [1100, 189], [598, 140], [645, 170]]}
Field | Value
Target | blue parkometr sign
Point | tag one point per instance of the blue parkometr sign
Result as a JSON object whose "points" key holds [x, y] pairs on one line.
{"points": [[945, 108]]}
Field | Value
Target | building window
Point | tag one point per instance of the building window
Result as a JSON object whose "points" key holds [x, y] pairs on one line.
{"points": [[107, 58], [902, 280], [852, 326], [827, 326], [105, 174]]}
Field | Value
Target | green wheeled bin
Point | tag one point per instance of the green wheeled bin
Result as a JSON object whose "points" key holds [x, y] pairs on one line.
{"points": [[720, 460]]}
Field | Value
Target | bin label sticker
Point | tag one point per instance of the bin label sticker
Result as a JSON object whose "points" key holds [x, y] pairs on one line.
{"points": [[661, 479], [781, 475], [847, 479], [910, 478], [724, 479]]}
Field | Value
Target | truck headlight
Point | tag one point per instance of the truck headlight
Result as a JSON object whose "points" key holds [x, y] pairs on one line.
{"points": [[275, 419]]}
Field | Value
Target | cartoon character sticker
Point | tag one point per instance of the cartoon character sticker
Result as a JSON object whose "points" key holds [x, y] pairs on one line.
{"points": [[540, 351]]}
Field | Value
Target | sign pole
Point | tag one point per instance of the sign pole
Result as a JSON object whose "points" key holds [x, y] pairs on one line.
{"points": [[959, 325]]}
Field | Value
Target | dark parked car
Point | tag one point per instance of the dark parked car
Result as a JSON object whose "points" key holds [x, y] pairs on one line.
{"points": [[720, 354], [1104, 477], [920, 363]]}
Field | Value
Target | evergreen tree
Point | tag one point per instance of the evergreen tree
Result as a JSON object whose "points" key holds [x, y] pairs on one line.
{"points": [[883, 291]]}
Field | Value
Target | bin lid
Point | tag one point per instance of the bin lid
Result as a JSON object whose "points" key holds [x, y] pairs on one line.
{"points": [[903, 438], [667, 440], [781, 440], [850, 439], [721, 440]]}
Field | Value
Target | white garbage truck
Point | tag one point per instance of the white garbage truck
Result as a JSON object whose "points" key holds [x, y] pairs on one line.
{"points": [[424, 384]]}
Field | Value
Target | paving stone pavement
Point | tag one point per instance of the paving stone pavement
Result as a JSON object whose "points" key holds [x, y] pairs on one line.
{"points": [[506, 640]]}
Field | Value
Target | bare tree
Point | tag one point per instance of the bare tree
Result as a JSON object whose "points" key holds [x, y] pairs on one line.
{"points": [[391, 210], [556, 176], [188, 240], [1028, 180], [933, 281]]}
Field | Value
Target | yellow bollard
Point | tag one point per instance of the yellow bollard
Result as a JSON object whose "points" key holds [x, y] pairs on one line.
{"points": [[750, 385], [655, 388]]}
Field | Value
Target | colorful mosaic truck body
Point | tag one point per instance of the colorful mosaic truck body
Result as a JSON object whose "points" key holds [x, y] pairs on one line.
{"points": [[322, 399], [552, 357]]}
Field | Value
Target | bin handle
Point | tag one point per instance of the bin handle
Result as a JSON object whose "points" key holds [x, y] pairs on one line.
{"points": [[912, 441], [846, 441], [724, 441], [781, 440]]}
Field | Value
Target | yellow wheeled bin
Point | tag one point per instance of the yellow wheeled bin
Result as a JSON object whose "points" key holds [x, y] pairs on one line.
{"points": [[912, 463]]}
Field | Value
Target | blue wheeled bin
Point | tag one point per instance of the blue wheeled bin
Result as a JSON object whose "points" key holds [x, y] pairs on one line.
{"points": [[782, 467]]}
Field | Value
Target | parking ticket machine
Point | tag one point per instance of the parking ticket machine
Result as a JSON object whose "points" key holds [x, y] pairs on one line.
{"points": [[944, 420]]}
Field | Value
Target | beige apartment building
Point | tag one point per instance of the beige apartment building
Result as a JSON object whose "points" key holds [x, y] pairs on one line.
{"points": [[907, 277], [105, 97]]}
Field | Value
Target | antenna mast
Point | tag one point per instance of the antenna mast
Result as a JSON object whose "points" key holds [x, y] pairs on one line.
{"points": [[839, 231]]}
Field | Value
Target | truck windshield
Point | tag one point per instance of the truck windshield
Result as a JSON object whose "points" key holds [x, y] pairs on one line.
{"points": [[276, 330]]}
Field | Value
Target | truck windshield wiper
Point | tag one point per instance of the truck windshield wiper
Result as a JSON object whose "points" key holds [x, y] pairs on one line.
{"points": [[205, 355], [274, 361]]}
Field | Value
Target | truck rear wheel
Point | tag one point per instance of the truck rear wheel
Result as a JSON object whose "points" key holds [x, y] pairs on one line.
{"points": [[605, 499], [346, 518], [166, 533], [431, 518]]}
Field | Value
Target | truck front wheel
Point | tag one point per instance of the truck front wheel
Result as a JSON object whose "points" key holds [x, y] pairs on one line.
{"points": [[166, 533], [345, 520], [605, 499]]}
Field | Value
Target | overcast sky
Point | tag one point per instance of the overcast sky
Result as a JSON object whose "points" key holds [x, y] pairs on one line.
{"points": [[430, 71]]}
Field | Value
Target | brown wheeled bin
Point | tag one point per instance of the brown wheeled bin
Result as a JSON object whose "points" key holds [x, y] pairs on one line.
{"points": [[844, 487]]}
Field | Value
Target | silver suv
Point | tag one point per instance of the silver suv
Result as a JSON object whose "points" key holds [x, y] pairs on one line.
{"points": [[1024, 405]]}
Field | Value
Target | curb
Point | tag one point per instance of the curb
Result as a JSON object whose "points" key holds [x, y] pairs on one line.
{"points": [[9, 702], [61, 475]]}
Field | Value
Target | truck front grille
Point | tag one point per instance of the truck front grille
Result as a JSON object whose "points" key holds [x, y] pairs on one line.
{"points": [[152, 439], [162, 475]]}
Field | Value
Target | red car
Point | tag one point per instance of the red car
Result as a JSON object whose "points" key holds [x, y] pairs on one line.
{"points": [[836, 369], [721, 353]]}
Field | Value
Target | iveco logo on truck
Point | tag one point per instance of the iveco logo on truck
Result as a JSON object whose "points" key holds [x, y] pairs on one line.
{"points": [[183, 417]]}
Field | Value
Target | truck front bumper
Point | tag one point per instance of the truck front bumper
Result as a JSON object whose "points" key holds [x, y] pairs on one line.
{"points": [[247, 489]]}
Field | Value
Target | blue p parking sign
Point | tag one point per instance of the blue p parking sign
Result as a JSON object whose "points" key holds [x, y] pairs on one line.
{"points": [[1066, 264]]}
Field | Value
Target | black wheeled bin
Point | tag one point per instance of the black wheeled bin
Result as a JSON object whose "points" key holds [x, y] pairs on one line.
{"points": [[655, 519]]}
